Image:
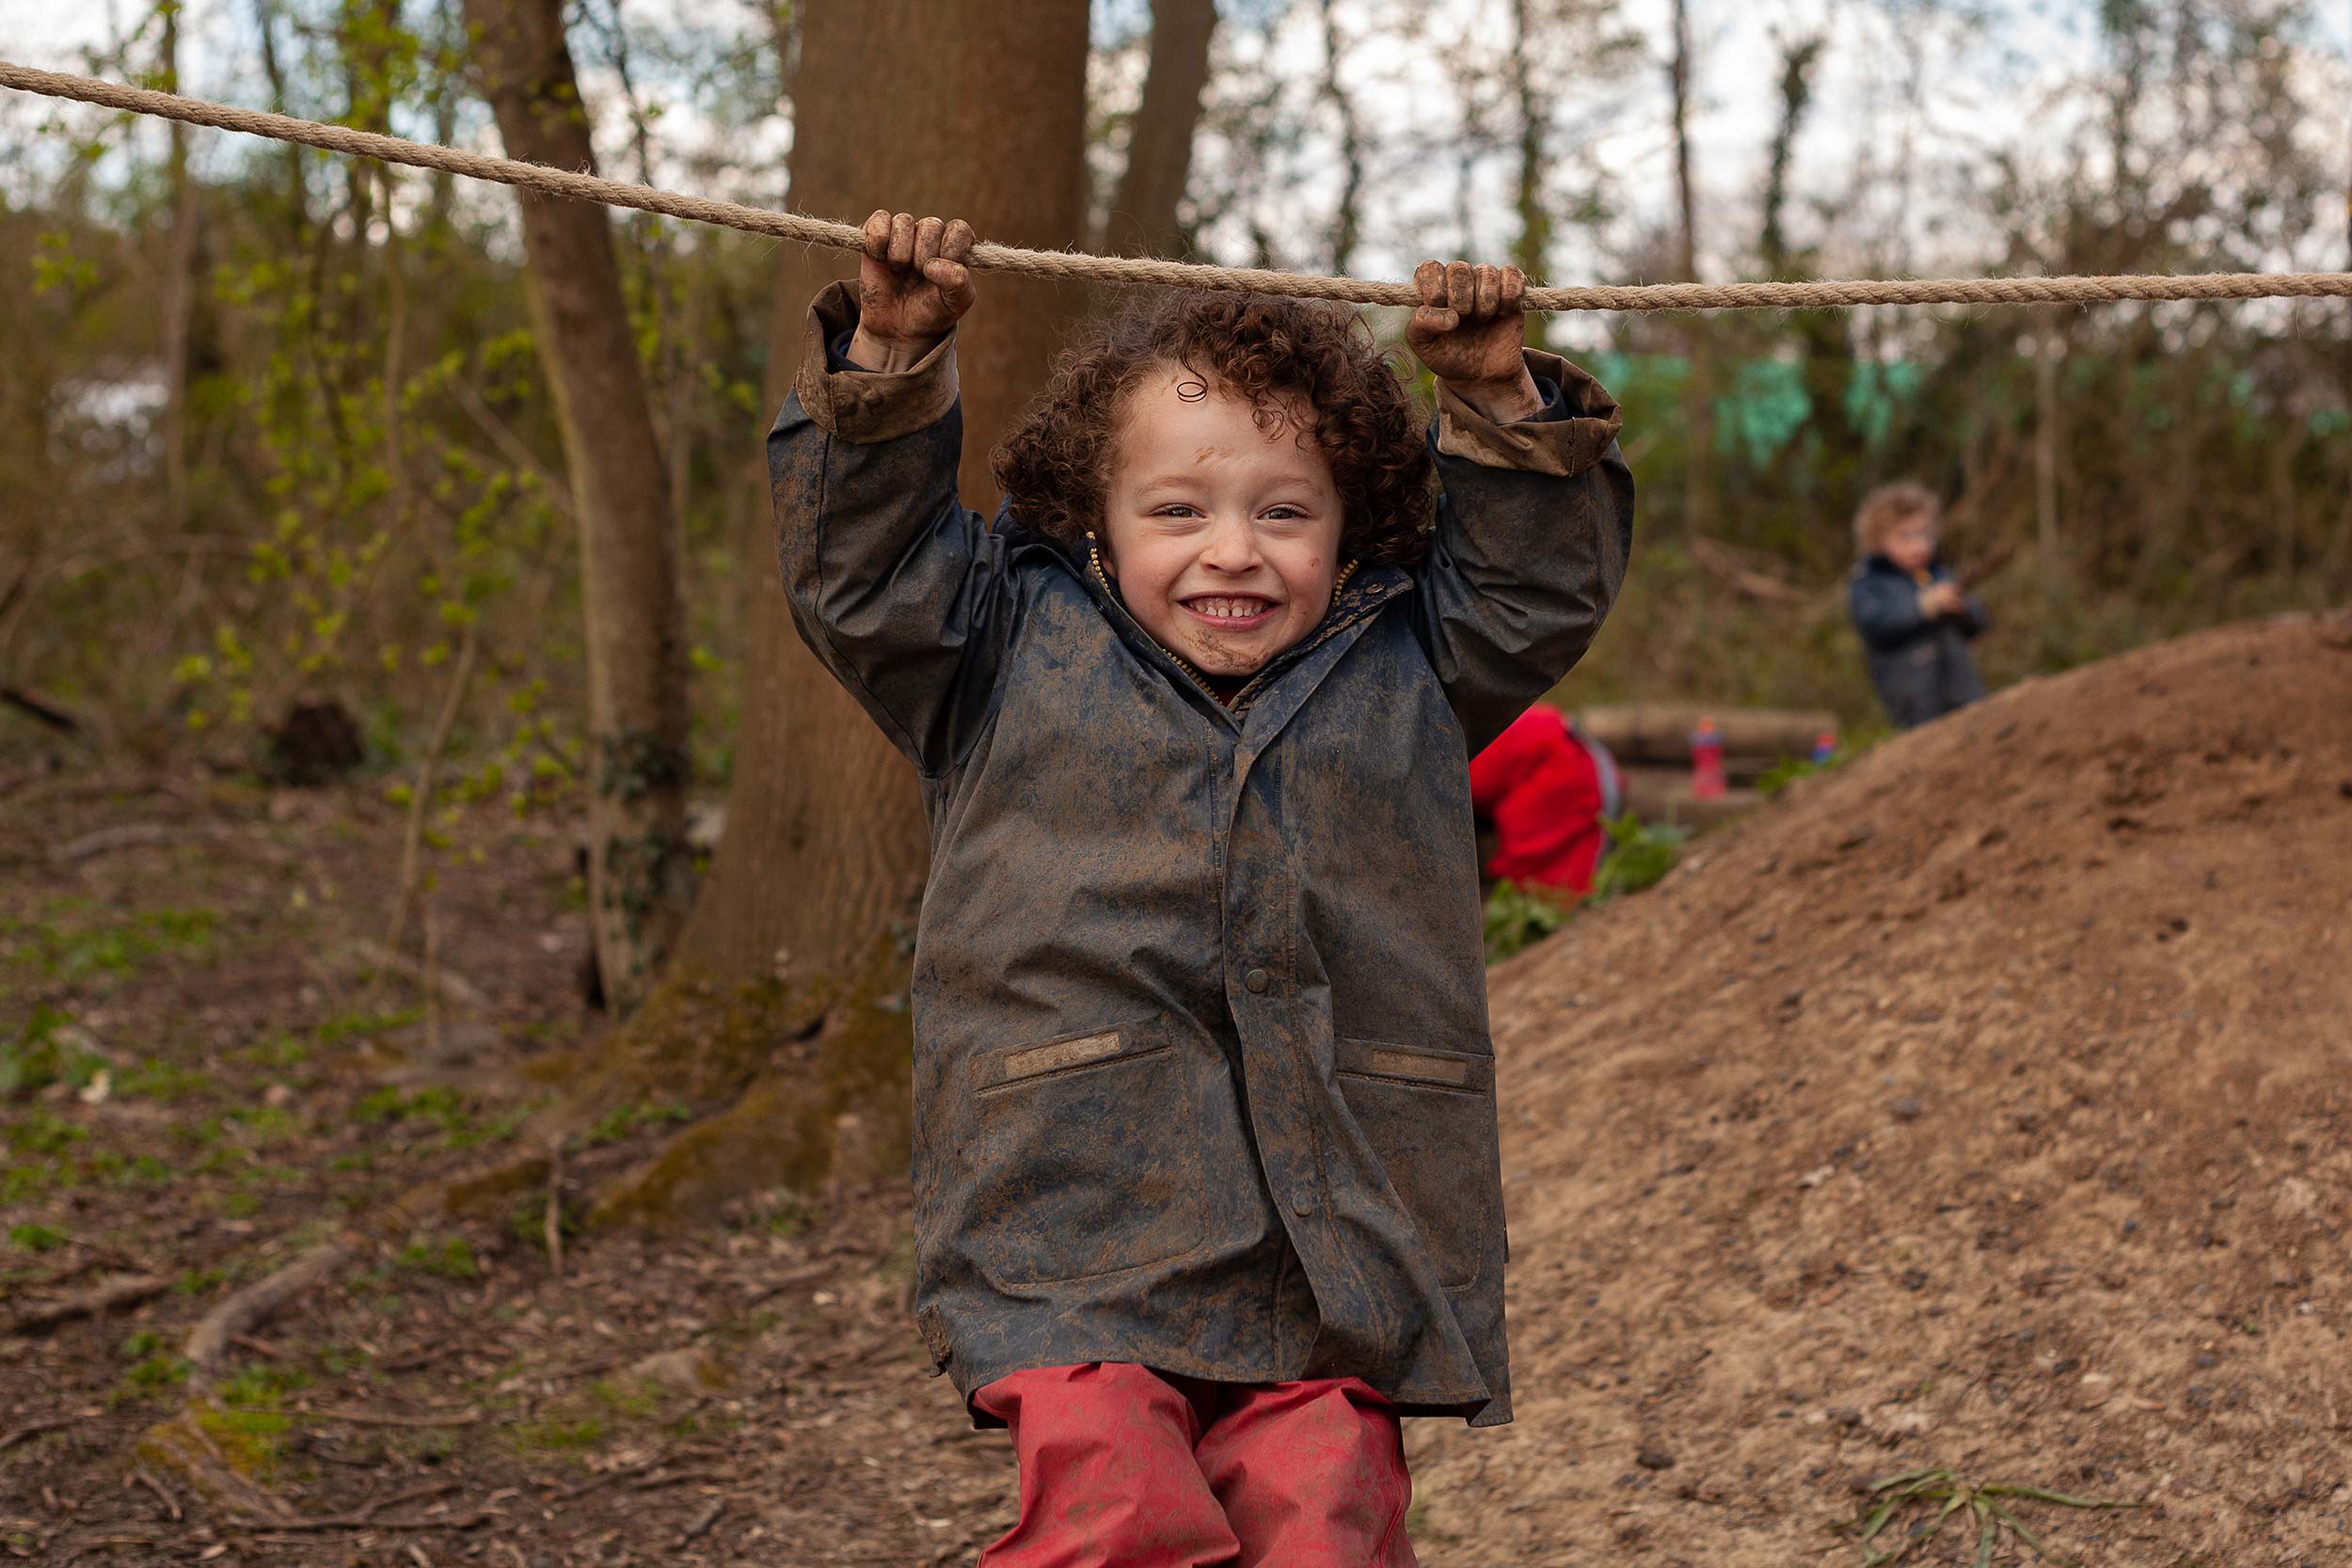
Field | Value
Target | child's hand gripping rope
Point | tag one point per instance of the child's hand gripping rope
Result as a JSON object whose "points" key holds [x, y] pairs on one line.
{"points": [[913, 287], [1469, 330]]}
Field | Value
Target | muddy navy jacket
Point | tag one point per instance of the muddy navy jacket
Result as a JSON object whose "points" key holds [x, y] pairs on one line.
{"points": [[1920, 664], [1201, 1072]]}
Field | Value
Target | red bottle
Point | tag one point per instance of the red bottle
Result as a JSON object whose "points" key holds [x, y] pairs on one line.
{"points": [[1707, 762]]}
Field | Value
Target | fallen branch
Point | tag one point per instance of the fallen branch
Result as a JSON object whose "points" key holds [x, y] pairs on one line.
{"points": [[162, 1495], [250, 1308], [31, 1430], [385, 1418], [554, 1223], [453, 988], [481, 1515], [39, 709], [131, 835], [109, 1294], [703, 1521]]}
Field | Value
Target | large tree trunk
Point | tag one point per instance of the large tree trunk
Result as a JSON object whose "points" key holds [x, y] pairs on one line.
{"points": [[825, 843], [1159, 141], [784, 1013], [637, 883]]}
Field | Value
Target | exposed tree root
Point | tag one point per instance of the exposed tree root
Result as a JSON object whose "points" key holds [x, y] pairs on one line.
{"points": [[247, 1309], [112, 1293]]}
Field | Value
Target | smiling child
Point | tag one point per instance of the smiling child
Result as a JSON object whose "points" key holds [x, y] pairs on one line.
{"points": [[1206, 1182]]}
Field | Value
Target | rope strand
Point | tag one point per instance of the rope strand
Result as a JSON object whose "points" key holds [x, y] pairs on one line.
{"points": [[1150, 271]]}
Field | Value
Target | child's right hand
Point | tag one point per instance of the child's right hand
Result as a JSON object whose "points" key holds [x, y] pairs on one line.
{"points": [[1941, 599], [911, 286]]}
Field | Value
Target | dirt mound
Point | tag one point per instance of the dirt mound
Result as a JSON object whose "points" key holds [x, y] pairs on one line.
{"points": [[1984, 1104]]}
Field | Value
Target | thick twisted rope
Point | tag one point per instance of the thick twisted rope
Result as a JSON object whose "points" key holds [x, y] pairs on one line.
{"points": [[1073, 265]]}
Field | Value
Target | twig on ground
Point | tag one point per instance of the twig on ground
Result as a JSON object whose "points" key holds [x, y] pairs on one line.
{"points": [[250, 1308], [46, 710], [453, 988], [384, 1418], [414, 1495], [555, 1206], [31, 1430], [135, 836], [703, 1521], [109, 1294], [139, 1477]]}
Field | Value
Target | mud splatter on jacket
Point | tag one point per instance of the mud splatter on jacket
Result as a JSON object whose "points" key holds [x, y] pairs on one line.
{"points": [[1202, 1070]]}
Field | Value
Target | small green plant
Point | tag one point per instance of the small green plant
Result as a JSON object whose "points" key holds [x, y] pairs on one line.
{"points": [[44, 1133], [586, 1432], [139, 1346], [1517, 916], [1936, 1494], [353, 1025], [439, 1106], [45, 1052], [621, 1120], [36, 1238], [59, 952], [157, 1373], [632, 1401], [1638, 856], [196, 1282], [448, 1258], [165, 1083]]}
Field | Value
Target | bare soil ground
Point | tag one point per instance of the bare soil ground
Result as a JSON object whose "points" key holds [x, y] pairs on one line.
{"points": [[1983, 1104]]}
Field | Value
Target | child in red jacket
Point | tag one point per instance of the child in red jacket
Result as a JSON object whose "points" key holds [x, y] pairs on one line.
{"points": [[1547, 787]]}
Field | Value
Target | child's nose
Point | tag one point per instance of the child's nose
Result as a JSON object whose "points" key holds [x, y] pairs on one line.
{"points": [[1233, 545]]}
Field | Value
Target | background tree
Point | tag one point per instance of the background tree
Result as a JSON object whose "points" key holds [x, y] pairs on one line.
{"points": [[638, 886], [1145, 216], [799, 933]]}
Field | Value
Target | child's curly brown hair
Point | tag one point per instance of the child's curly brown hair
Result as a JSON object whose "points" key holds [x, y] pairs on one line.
{"points": [[1056, 464]]}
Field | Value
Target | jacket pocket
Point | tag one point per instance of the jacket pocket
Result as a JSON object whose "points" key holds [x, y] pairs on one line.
{"points": [[1080, 1161], [1429, 1116]]}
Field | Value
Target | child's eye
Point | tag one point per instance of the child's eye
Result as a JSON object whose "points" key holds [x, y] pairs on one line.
{"points": [[1283, 514], [1175, 509]]}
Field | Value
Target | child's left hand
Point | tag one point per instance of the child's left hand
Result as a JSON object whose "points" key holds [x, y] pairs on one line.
{"points": [[1471, 330]]}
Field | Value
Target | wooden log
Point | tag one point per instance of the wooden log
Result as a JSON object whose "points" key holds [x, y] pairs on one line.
{"points": [[1661, 795], [1641, 733]]}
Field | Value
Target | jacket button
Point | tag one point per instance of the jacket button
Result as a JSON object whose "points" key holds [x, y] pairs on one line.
{"points": [[1256, 981], [1302, 1203]]}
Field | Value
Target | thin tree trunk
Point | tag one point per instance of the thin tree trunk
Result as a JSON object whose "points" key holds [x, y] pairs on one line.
{"points": [[1532, 252], [2046, 447], [1142, 217], [1697, 411], [637, 716], [1348, 223], [178, 303], [826, 845]]}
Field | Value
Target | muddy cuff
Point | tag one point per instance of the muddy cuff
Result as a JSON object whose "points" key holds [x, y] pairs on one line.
{"points": [[1567, 442], [868, 406]]}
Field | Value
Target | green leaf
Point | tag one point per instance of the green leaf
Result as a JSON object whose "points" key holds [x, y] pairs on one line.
{"points": [[2010, 1520], [2003, 1489], [1988, 1535]]}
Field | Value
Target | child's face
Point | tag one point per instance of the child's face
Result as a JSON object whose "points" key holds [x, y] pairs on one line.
{"points": [[1910, 544], [1224, 537]]}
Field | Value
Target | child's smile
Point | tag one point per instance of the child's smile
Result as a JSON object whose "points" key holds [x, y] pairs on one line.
{"points": [[1222, 530]]}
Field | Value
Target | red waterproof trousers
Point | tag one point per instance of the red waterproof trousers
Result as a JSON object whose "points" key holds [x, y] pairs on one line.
{"points": [[1125, 1467]]}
